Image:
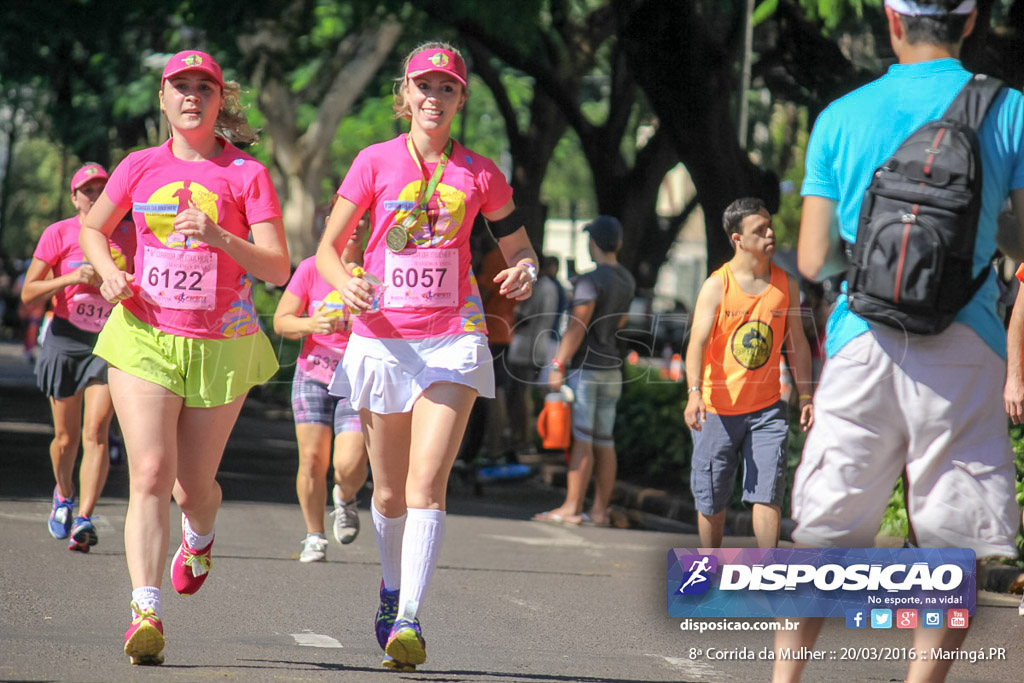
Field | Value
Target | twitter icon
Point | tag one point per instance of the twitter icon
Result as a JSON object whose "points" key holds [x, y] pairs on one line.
{"points": [[881, 618]]}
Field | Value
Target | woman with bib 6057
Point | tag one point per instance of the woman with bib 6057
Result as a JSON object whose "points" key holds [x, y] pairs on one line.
{"points": [[184, 345], [418, 356]]}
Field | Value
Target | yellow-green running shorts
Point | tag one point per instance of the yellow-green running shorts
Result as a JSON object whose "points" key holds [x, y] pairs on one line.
{"points": [[205, 372]]}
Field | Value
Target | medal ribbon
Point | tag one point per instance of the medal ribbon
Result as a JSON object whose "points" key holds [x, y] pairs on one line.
{"points": [[426, 191]]}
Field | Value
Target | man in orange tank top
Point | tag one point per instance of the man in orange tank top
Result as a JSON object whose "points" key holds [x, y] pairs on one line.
{"points": [[746, 311]]}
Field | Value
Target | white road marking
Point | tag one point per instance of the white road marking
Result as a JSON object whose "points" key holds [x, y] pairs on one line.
{"points": [[25, 428], [698, 671], [309, 639], [98, 521], [565, 538]]}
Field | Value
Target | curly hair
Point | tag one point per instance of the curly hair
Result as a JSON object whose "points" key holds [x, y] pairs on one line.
{"points": [[232, 122], [401, 107]]}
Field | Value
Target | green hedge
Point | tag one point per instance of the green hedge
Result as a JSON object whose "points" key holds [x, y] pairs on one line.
{"points": [[651, 440]]}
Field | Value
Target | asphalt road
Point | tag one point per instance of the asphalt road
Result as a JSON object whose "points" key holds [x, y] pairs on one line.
{"points": [[512, 600]]}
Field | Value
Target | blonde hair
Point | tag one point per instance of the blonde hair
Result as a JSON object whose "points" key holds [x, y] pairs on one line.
{"points": [[401, 107], [232, 123]]}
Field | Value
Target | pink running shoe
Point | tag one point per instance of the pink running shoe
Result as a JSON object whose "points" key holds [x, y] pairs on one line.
{"points": [[190, 567], [144, 639]]}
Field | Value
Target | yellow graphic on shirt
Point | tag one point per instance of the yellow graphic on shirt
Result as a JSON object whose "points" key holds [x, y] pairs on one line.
{"points": [[119, 258], [450, 213], [752, 344], [473, 309], [170, 200], [336, 307], [240, 318]]}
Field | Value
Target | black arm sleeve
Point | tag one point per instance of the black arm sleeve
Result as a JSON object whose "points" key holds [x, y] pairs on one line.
{"points": [[507, 225]]}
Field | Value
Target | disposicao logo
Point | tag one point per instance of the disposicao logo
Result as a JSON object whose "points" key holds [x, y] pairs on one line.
{"points": [[829, 582], [439, 59], [193, 60], [696, 580]]}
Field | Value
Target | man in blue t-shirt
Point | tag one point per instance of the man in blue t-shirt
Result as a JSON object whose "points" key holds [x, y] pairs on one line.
{"points": [[888, 402]]}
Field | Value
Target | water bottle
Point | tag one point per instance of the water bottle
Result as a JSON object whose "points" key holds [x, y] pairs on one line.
{"points": [[554, 424]]}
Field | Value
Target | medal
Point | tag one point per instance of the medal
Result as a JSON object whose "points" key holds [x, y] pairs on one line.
{"points": [[396, 238], [398, 235]]}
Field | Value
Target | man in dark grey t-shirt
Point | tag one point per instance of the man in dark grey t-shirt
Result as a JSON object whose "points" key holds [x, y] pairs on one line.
{"points": [[600, 302]]}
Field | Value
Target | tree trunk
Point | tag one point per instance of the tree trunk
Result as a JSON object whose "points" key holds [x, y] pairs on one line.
{"points": [[531, 149], [8, 182], [692, 105], [302, 157], [631, 195], [299, 211]]}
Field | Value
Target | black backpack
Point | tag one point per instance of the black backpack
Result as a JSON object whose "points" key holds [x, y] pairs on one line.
{"points": [[911, 267]]}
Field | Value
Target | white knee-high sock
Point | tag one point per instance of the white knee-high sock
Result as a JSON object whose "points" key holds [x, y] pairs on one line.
{"points": [[146, 597], [389, 532], [420, 550]]}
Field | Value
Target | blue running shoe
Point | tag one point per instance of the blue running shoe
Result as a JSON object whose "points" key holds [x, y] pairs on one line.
{"points": [[405, 646], [386, 613], [61, 515], [83, 535]]}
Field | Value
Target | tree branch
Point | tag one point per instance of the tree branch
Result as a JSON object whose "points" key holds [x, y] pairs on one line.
{"points": [[491, 78], [365, 52]]}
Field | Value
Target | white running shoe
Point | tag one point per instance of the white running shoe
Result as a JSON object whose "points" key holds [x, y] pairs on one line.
{"points": [[346, 518], [314, 549], [1020, 608]]}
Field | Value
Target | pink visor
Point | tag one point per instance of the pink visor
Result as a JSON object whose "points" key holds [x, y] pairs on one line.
{"points": [[436, 59], [193, 60], [87, 173]]}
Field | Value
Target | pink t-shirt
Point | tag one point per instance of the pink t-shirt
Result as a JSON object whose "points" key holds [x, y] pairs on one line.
{"points": [[385, 181], [58, 247], [311, 290], [186, 287]]}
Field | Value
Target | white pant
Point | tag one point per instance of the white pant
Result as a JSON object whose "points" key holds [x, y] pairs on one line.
{"points": [[931, 405]]}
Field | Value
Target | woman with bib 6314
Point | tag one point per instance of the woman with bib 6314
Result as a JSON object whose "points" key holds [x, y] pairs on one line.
{"points": [[418, 356], [67, 371], [184, 345]]}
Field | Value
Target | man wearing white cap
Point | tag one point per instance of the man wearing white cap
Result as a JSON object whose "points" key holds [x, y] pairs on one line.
{"points": [[890, 403]]}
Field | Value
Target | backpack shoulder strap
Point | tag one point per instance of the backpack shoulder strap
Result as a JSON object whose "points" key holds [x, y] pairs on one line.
{"points": [[974, 100]]}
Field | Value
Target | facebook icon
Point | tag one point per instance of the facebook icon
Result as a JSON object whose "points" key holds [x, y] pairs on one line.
{"points": [[856, 618]]}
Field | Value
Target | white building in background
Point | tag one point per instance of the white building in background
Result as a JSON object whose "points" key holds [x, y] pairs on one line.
{"points": [[683, 272]]}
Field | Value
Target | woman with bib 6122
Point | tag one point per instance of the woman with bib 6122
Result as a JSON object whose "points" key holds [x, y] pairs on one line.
{"points": [[184, 345]]}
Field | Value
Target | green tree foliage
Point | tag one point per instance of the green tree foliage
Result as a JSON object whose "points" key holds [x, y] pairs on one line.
{"points": [[601, 68], [39, 198], [87, 57], [309, 62], [570, 51]]}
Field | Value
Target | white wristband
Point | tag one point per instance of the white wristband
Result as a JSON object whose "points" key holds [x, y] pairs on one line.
{"points": [[531, 269]]}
